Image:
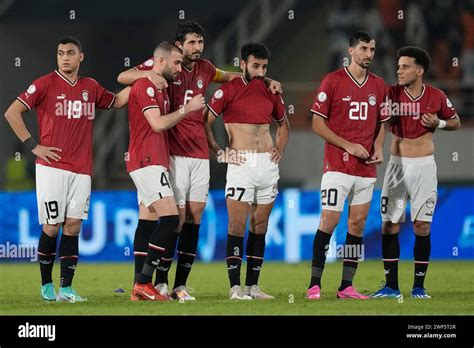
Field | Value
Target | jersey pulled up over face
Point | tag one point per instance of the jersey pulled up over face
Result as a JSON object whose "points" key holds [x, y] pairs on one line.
{"points": [[188, 137], [406, 110], [354, 112], [146, 146], [65, 112], [247, 102]]}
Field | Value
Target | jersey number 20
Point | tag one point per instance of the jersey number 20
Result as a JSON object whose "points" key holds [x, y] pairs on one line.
{"points": [[358, 111]]}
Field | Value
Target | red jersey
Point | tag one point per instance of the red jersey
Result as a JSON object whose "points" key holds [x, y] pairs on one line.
{"points": [[65, 112], [353, 112], [247, 102], [146, 146], [406, 110], [188, 137]]}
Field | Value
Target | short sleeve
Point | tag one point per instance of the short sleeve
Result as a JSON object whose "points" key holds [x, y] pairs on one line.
{"points": [[35, 93], [146, 95], [219, 100], [210, 71], [278, 108], [447, 110], [104, 98], [384, 113], [322, 101], [148, 65]]}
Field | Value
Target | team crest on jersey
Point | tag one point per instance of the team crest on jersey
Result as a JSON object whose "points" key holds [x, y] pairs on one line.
{"points": [[31, 89], [322, 97], [372, 99], [149, 62], [219, 94], [200, 83], [150, 91], [85, 95]]}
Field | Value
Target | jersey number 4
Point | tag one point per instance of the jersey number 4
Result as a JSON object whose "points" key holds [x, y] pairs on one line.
{"points": [[358, 111]]}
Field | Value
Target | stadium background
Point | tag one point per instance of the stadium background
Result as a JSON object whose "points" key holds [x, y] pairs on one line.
{"points": [[307, 39]]}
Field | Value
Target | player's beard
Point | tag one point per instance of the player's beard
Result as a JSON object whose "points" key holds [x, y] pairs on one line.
{"points": [[168, 75], [194, 57], [365, 63], [247, 76]]}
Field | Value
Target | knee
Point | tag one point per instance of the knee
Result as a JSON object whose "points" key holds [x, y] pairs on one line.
{"points": [[260, 227], [328, 222], [51, 230], [389, 227], [194, 215], [357, 224], [237, 228], [72, 228], [421, 228]]}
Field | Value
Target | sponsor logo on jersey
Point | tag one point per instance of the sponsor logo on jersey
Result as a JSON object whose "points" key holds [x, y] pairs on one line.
{"points": [[178, 82], [348, 98], [61, 96]]}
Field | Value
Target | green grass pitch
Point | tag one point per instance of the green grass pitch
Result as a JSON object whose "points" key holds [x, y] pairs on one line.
{"points": [[449, 282]]}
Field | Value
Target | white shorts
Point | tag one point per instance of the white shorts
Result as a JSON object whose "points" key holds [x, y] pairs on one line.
{"points": [[189, 178], [409, 178], [152, 183], [336, 187], [255, 181], [60, 194]]}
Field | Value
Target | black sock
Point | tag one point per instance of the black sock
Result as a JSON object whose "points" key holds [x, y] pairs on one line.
{"points": [[68, 254], [422, 257], [159, 241], [140, 243], [46, 254], [234, 252], [352, 253], [187, 249], [255, 251], [320, 248], [165, 263], [390, 255]]}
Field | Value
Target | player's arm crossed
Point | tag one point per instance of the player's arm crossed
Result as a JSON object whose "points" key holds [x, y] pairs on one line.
{"points": [[14, 116], [160, 124], [321, 128]]}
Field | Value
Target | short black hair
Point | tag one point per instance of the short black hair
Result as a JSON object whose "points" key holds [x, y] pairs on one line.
{"points": [[168, 47], [188, 27], [69, 39], [256, 49], [422, 57], [358, 36]]}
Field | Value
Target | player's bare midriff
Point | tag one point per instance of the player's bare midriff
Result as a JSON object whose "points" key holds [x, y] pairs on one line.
{"points": [[418, 147], [249, 137]]}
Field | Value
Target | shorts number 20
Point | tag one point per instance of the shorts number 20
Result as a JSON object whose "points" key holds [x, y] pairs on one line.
{"points": [[329, 197]]}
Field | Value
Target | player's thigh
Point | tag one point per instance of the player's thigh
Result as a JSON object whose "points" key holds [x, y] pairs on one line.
{"points": [[165, 206], [359, 201], [268, 175], [180, 179], [238, 213], [241, 181], [423, 190], [394, 191], [51, 195], [145, 213], [259, 216]]}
